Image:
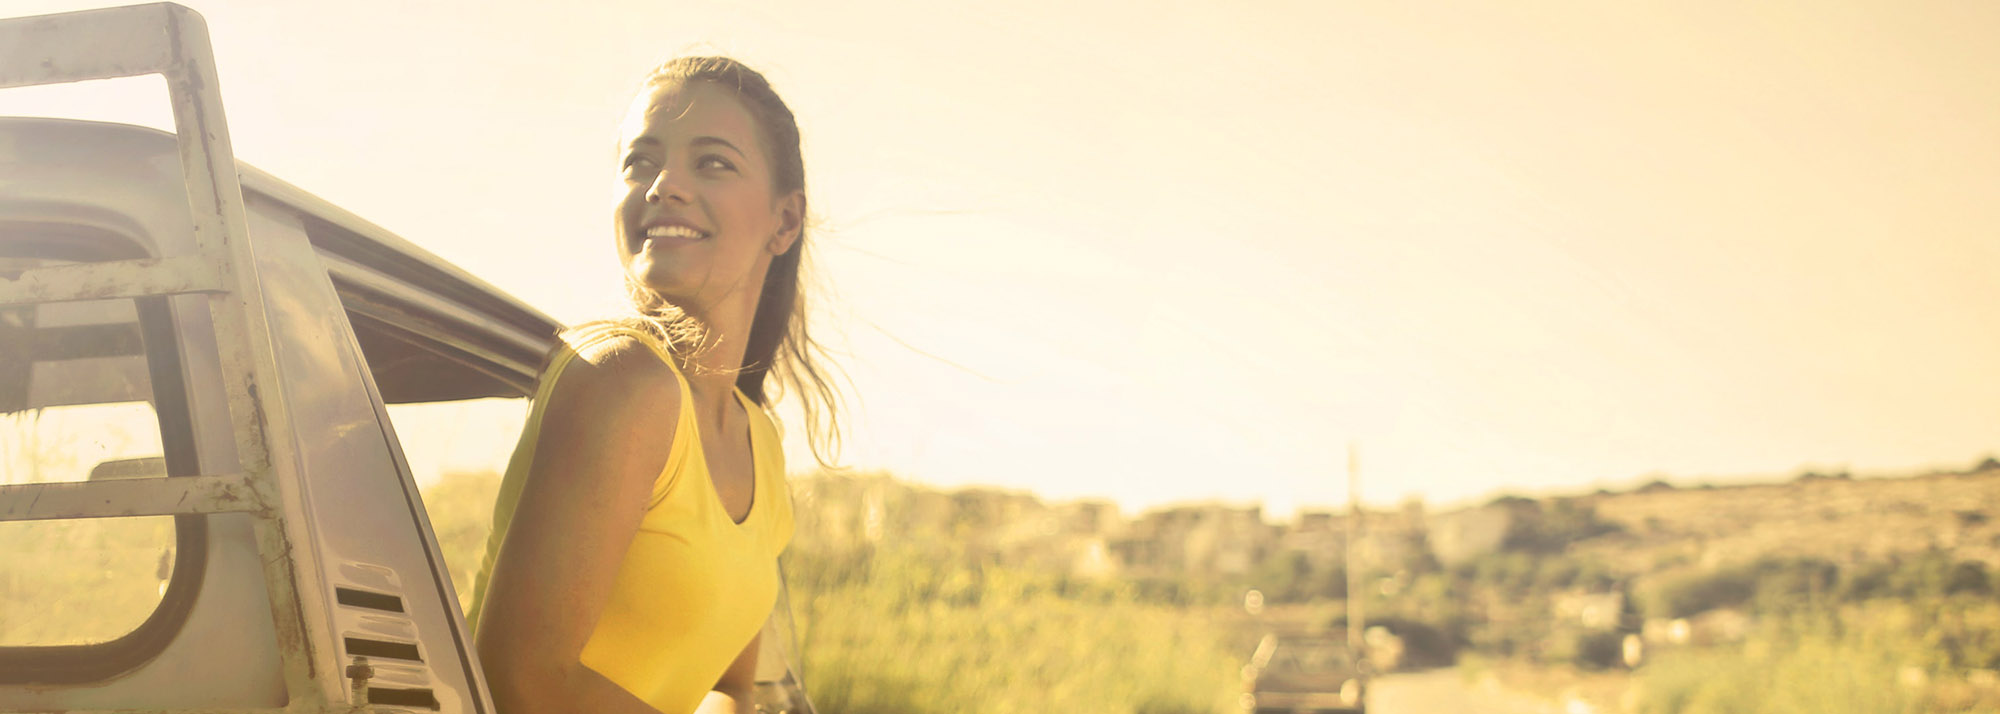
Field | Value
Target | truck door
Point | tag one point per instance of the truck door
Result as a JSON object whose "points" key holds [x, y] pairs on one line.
{"points": [[211, 508]]}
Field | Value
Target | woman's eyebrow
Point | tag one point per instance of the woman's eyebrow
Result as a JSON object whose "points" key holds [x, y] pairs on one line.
{"points": [[650, 142], [716, 140]]}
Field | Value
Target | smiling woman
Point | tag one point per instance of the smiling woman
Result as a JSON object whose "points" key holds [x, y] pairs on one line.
{"points": [[636, 534]]}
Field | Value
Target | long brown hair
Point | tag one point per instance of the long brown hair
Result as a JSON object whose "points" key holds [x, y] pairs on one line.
{"points": [[781, 357]]}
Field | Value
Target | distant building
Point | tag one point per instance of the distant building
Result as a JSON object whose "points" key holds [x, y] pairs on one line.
{"points": [[1207, 539], [1318, 535], [1461, 536], [1591, 611]]}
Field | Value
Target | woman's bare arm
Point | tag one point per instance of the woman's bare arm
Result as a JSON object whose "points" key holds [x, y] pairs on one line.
{"points": [[735, 692], [605, 435]]}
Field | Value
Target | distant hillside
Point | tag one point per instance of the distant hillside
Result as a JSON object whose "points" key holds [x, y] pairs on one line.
{"points": [[1837, 519], [1651, 528]]}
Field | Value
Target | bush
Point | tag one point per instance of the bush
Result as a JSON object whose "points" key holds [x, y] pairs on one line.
{"points": [[1929, 575], [1511, 572], [1816, 672], [1812, 678], [1424, 644], [1595, 650], [1692, 594], [1289, 577], [1968, 578], [1769, 584], [1549, 530], [1789, 583], [907, 634], [1877, 656]]}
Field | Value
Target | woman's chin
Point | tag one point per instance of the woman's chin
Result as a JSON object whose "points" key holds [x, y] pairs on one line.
{"points": [[659, 281]]}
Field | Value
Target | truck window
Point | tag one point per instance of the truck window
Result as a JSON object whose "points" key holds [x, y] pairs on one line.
{"points": [[90, 391], [81, 581], [457, 451]]}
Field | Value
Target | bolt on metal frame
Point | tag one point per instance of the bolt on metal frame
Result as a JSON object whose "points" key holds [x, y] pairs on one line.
{"points": [[173, 41]]}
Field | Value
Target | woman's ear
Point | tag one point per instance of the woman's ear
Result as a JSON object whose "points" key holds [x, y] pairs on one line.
{"points": [[791, 222]]}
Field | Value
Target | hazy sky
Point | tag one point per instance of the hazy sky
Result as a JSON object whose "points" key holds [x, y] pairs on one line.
{"points": [[1170, 251]]}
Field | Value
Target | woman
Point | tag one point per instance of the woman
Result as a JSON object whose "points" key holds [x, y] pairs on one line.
{"points": [[635, 544]]}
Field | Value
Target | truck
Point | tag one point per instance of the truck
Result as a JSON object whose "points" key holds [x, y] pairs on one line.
{"points": [[206, 506], [1298, 671]]}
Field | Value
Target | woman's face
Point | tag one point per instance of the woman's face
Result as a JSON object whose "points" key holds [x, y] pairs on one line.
{"points": [[697, 218]]}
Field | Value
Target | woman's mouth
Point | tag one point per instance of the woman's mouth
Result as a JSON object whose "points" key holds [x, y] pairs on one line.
{"points": [[680, 233]]}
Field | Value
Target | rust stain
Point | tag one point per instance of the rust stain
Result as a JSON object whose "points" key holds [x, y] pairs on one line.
{"points": [[96, 281]]}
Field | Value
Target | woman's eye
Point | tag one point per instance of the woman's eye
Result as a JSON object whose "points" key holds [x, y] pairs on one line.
{"points": [[638, 163], [715, 162]]}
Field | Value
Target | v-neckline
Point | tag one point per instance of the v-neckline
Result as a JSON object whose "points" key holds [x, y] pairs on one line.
{"points": [[750, 442]]}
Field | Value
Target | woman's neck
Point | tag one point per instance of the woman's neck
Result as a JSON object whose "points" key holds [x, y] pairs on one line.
{"points": [[711, 367]]}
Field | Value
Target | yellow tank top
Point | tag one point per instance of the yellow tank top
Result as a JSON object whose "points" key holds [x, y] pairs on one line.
{"points": [[695, 586]]}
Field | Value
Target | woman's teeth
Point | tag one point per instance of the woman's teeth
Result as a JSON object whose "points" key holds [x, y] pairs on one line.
{"points": [[673, 232]]}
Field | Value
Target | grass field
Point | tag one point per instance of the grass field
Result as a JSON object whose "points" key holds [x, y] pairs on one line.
{"points": [[895, 632], [1880, 656]]}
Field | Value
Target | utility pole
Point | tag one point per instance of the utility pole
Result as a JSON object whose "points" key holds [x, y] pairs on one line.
{"points": [[1355, 582]]}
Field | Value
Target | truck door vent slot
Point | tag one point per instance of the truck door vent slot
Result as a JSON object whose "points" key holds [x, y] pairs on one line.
{"points": [[357, 646], [363, 598], [402, 697]]}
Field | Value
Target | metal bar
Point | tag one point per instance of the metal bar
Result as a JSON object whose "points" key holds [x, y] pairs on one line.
{"points": [[251, 381], [298, 707], [221, 227], [113, 279], [77, 46], [128, 497], [1357, 641], [288, 616], [156, 710]]}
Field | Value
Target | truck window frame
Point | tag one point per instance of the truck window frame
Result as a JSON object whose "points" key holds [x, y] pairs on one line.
{"points": [[160, 335]]}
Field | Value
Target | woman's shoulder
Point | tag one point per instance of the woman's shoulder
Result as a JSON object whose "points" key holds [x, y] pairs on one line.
{"points": [[611, 359], [599, 340]]}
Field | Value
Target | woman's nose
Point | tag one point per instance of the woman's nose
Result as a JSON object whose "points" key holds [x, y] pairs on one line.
{"points": [[666, 186]]}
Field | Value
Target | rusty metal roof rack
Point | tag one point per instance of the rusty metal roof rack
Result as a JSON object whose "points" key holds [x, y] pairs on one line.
{"points": [[172, 41]]}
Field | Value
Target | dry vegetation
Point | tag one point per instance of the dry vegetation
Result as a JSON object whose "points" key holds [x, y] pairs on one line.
{"points": [[908, 630], [1822, 594]]}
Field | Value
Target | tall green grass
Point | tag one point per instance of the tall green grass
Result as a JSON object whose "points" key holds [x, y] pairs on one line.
{"points": [[1878, 657], [1816, 675], [901, 634]]}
